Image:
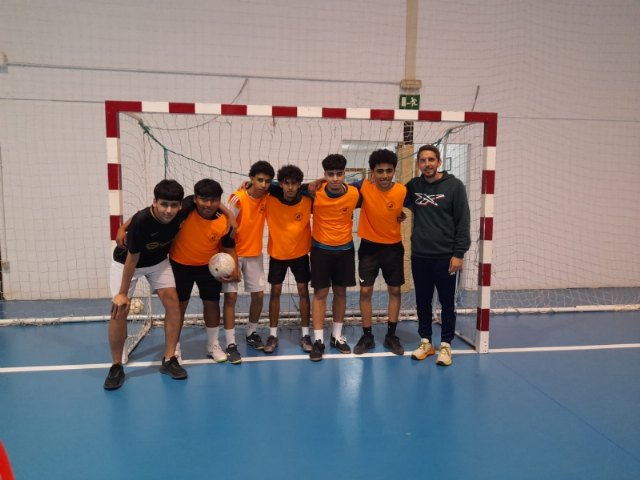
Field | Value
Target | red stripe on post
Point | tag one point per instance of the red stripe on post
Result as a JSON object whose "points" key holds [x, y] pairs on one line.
{"points": [[233, 109], [188, 108], [428, 115], [111, 110], [114, 175], [488, 182], [382, 115], [334, 112], [114, 223], [482, 319], [490, 121], [484, 275], [486, 228], [284, 111]]}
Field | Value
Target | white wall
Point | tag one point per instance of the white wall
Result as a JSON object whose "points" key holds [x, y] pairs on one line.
{"points": [[564, 78]]}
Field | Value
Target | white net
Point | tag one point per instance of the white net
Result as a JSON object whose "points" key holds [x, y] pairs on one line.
{"points": [[188, 148]]}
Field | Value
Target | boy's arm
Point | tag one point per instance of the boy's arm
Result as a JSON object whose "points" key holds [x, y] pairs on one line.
{"points": [[232, 223], [121, 236]]}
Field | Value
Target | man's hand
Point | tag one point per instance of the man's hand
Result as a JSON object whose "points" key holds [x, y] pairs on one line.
{"points": [[455, 265]]}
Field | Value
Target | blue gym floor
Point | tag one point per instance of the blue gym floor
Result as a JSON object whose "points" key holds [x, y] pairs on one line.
{"points": [[557, 397]]}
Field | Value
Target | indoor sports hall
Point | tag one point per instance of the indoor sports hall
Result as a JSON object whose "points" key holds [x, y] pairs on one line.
{"points": [[534, 107]]}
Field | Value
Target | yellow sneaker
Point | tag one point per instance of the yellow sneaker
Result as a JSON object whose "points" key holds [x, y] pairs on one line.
{"points": [[424, 350], [444, 356]]}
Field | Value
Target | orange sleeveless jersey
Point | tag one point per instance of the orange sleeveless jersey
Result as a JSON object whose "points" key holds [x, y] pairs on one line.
{"points": [[250, 215], [333, 217], [289, 228], [198, 239], [379, 213]]}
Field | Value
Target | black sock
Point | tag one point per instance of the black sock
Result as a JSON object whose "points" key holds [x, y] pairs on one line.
{"points": [[367, 330], [391, 328]]}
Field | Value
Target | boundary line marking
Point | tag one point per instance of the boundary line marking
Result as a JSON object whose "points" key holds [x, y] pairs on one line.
{"points": [[329, 356]]}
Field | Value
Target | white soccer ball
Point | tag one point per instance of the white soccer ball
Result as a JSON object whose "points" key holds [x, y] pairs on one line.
{"points": [[221, 265], [136, 306]]}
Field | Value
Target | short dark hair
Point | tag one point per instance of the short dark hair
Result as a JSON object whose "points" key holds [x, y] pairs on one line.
{"points": [[382, 156], [290, 172], [334, 161], [429, 148], [168, 190], [208, 188], [262, 166]]}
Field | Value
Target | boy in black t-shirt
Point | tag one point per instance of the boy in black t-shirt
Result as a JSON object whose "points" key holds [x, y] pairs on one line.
{"points": [[149, 237]]}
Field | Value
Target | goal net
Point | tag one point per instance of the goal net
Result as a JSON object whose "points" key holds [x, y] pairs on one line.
{"points": [[188, 142]]}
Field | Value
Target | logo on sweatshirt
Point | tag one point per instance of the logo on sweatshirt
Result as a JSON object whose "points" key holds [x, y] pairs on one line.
{"points": [[423, 199]]}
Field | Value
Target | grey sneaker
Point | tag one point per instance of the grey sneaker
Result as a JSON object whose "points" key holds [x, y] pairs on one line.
{"points": [[366, 342], [272, 344], [306, 343], [255, 341], [172, 368], [233, 356]]}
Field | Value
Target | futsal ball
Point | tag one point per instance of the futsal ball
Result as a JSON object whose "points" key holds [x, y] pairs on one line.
{"points": [[221, 265], [136, 306]]}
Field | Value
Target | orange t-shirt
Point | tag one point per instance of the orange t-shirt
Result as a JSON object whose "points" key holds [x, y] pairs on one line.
{"points": [[379, 213], [198, 239], [250, 215], [289, 228], [333, 217]]}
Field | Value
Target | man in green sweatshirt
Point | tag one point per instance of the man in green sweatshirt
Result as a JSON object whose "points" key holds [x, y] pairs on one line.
{"points": [[439, 239]]}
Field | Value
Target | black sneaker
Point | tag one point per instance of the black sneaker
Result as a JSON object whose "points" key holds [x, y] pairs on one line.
{"points": [[115, 377], [316, 351], [255, 341], [340, 344], [393, 343], [306, 343], [233, 356], [366, 342], [272, 344], [172, 368]]}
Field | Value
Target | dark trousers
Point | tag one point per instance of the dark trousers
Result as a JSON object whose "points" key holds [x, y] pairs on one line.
{"points": [[430, 273]]}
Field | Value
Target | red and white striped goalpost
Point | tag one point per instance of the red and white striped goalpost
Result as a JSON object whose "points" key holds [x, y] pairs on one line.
{"points": [[489, 121]]}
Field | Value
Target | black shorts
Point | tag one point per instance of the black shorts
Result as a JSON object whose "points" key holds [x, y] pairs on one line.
{"points": [[187, 275], [373, 257], [333, 267], [299, 268]]}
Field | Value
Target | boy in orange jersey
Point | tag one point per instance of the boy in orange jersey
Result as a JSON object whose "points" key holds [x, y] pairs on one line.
{"points": [[249, 207], [332, 252], [380, 246], [203, 234], [288, 217]]}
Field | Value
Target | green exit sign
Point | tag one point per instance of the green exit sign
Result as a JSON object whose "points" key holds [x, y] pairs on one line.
{"points": [[409, 102]]}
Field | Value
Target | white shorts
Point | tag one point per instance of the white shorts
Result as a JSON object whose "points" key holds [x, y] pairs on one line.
{"points": [[159, 276], [252, 269]]}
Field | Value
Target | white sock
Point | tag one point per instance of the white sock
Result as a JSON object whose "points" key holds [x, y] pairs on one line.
{"points": [[230, 336], [305, 331], [251, 328], [319, 335], [212, 335], [273, 331], [337, 330]]}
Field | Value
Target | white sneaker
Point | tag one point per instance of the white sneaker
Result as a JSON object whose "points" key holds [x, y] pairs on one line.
{"points": [[444, 357], [215, 351]]}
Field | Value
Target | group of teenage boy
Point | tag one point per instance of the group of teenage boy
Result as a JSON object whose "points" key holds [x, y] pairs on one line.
{"points": [[170, 243]]}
